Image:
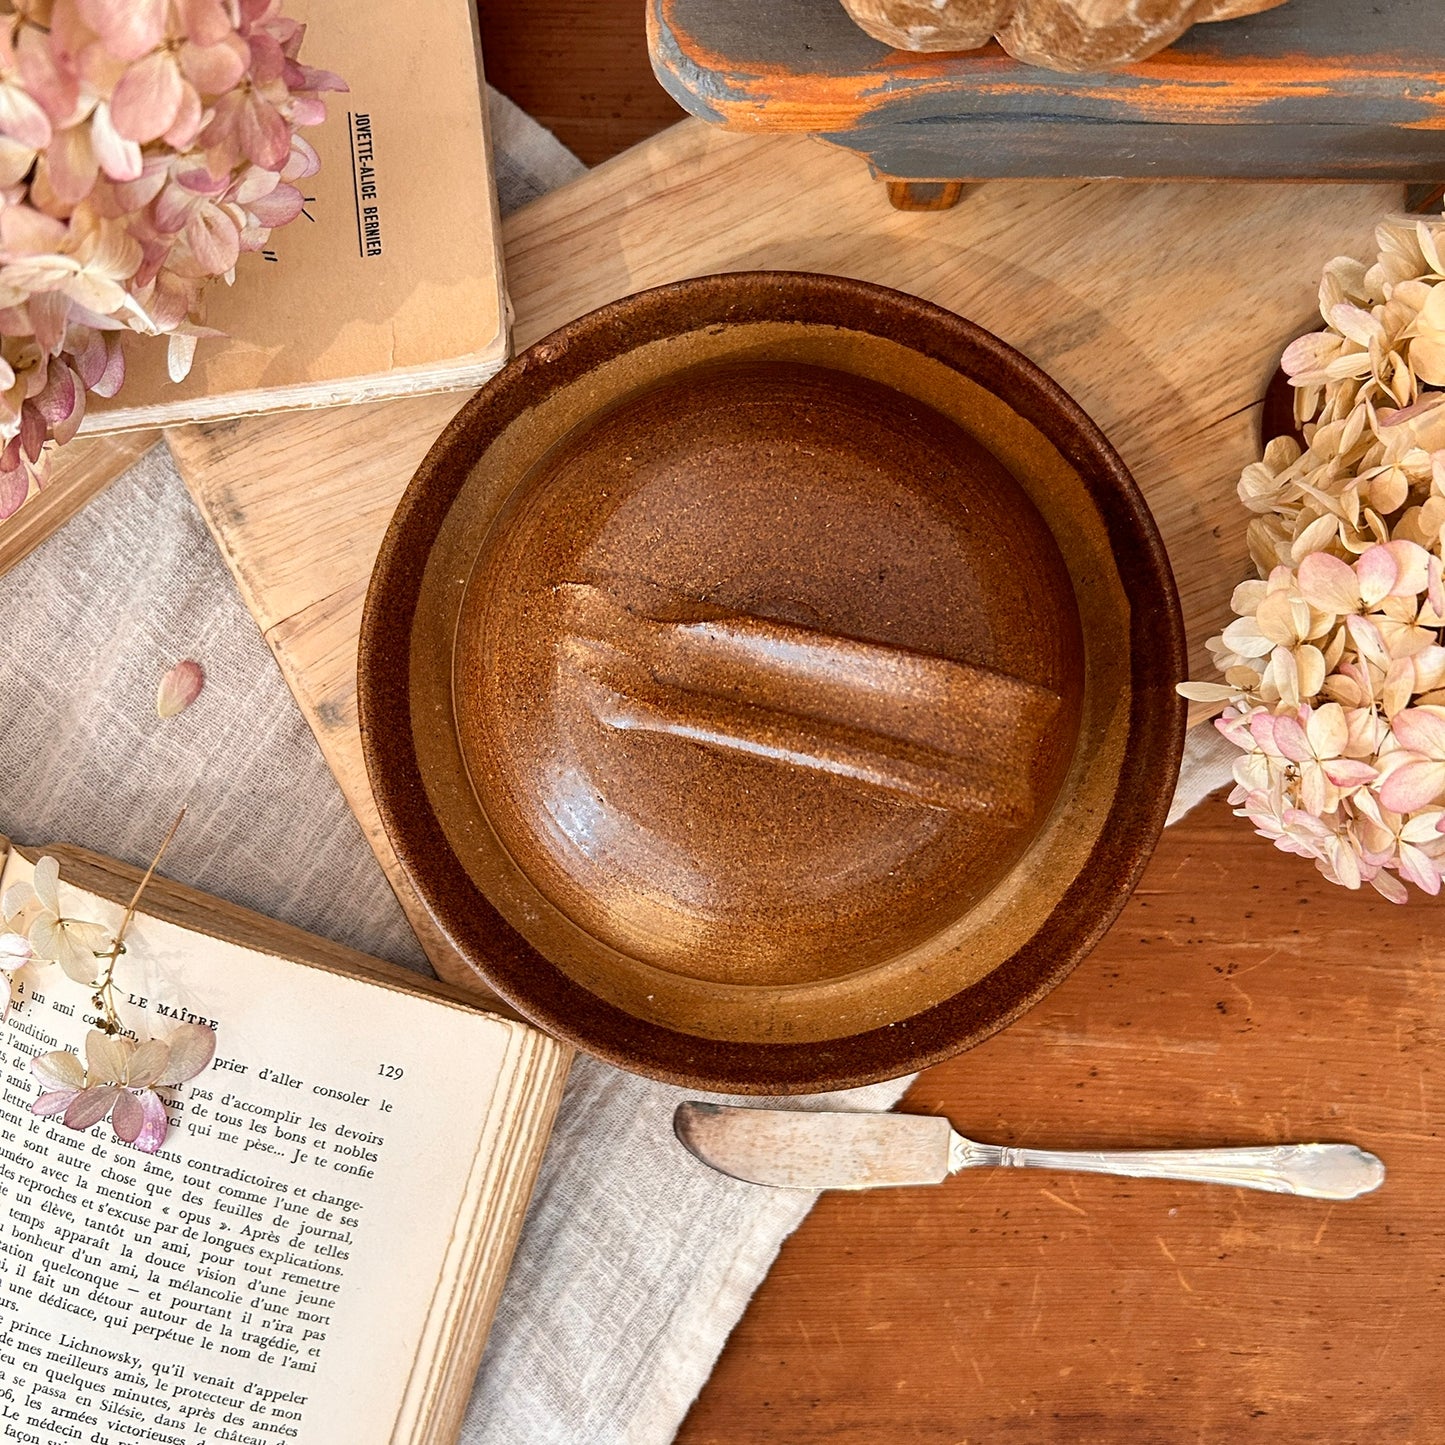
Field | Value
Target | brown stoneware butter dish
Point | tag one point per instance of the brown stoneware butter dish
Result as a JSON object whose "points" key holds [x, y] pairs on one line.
{"points": [[767, 681]]}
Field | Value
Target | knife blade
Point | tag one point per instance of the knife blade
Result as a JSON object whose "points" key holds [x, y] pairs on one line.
{"points": [[795, 1149], [791, 1149]]}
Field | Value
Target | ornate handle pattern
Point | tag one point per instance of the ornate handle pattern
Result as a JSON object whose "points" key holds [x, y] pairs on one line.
{"points": [[1316, 1171]]}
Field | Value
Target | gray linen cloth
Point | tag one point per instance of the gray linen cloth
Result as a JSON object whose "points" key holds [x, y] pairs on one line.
{"points": [[635, 1261]]}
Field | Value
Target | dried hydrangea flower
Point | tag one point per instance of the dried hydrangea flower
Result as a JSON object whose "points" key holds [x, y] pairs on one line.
{"points": [[1334, 669], [1414, 773], [145, 145], [76, 945], [119, 1079]]}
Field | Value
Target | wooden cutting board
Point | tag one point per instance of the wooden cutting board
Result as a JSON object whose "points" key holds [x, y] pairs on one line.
{"points": [[1161, 308]]}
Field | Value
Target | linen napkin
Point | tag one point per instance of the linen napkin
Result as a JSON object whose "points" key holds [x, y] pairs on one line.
{"points": [[635, 1261]]}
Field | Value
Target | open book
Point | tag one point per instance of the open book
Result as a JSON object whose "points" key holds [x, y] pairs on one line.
{"points": [[316, 1252], [390, 282]]}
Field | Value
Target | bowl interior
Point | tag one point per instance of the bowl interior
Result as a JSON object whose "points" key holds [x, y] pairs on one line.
{"points": [[823, 460]]}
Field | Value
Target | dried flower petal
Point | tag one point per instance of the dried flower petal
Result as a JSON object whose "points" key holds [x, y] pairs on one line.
{"points": [[205, 21], [1416, 783], [1418, 868], [192, 1047], [1329, 584], [129, 28], [127, 1117], [179, 688], [22, 117], [154, 1124], [15, 952], [71, 943], [214, 239], [180, 353], [54, 1102], [146, 101], [59, 1070], [1378, 571], [117, 155], [147, 1063], [213, 69], [45, 880], [1422, 730], [14, 488], [1207, 691], [90, 1106], [106, 1056], [1388, 887]]}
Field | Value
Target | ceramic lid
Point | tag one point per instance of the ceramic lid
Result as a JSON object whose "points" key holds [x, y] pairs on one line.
{"points": [[767, 674]]}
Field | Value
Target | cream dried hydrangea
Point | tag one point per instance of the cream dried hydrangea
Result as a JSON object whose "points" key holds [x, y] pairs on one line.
{"points": [[119, 1075], [1334, 669]]}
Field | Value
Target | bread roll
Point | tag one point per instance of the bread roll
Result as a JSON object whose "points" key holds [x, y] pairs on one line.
{"points": [[1066, 35]]}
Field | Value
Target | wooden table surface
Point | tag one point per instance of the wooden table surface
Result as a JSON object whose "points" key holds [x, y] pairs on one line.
{"points": [[1238, 999]]}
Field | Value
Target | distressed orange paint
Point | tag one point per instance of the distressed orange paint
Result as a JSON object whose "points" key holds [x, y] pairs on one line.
{"points": [[1194, 93], [1193, 85]]}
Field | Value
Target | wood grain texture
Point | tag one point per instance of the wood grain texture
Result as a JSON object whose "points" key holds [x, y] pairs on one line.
{"points": [[79, 471], [324, 512], [963, 149], [1238, 999], [580, 67], [1313, 89]]}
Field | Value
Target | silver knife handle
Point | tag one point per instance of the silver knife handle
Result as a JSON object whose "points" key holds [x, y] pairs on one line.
{"points": [[1317, 1171]]}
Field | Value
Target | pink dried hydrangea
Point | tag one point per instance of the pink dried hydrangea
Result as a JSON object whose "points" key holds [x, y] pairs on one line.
{"points": [[144, 145], [118, 1080], [1334, 669]]}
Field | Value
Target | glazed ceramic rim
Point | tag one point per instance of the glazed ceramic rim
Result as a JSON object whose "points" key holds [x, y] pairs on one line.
{"points": [[541, 991]]}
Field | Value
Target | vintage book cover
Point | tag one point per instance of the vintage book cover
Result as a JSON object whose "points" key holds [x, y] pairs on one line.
{"points": [[316, 1252], [390, 282]]}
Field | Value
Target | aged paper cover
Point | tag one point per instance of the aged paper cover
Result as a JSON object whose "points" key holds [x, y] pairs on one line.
{"points": [[390, 283]]}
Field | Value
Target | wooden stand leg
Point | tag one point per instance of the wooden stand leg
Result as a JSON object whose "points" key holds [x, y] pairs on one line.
{"points": [[1420, 199], [924, 195]]}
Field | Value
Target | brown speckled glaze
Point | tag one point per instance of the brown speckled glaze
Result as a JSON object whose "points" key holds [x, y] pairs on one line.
{"points": [[691, 652], [767, 681]]}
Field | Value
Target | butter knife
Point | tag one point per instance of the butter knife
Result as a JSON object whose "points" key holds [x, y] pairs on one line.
{"points": [[793, 1149]]}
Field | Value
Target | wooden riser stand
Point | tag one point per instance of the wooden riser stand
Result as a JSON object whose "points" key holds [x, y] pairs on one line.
{"points": [[1329, 90]]}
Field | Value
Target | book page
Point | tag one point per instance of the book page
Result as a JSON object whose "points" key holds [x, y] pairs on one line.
{"points": [[267, 1276], [393, 266]]}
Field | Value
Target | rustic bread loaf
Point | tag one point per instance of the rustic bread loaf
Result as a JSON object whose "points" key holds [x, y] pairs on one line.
{"points": [[1058, 34]]}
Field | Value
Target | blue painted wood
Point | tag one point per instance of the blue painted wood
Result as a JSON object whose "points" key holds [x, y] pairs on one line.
{"points": [[1318, 89], [1044, 147]]}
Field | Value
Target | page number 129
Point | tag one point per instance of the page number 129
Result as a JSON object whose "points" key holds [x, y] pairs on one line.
{"points": [[391, 1071]]}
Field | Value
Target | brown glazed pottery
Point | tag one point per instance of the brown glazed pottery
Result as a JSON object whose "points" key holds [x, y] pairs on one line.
{"points": [[767, 681]]}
